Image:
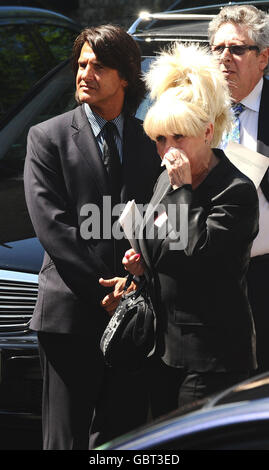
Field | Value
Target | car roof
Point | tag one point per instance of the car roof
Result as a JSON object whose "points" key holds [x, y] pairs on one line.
{"points": [[247, 401], [26, 15], [207, 420], [188, 24]]}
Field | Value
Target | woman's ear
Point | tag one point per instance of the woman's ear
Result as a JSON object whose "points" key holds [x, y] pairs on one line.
{"points": [[209, 132]]}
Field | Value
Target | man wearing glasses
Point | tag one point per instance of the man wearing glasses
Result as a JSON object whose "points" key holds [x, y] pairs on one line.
{"points": [[239, 37]]}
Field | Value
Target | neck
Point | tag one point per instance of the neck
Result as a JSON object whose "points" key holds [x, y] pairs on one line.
{"points": [[107, 110], [202, 174], [106, 114], [236, 92]]}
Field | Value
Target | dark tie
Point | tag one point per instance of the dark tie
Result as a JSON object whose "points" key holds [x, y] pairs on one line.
{"points": [[112, 162], [114, 171], [234, 134]]}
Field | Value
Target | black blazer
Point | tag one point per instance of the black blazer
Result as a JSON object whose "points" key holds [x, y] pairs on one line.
{"points": [[263, 134], [200, 291], [63, 173]]}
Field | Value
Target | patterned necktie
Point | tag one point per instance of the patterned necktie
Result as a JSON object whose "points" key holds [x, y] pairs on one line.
{"points": [[234, 134], [112, 161]]}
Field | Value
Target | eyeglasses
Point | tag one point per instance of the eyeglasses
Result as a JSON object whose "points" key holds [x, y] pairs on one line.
{"points": [[234, 50]]}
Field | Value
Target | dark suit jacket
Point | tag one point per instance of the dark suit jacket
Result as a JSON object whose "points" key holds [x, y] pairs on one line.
{"points": [[263, 134], [63, 172], [203, 309]]}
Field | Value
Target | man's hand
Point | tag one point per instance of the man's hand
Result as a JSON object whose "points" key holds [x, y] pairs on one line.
{"points": [[111, 301]]}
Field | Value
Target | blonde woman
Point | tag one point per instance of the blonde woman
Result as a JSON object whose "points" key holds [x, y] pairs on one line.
{"points": [[200, 255]]}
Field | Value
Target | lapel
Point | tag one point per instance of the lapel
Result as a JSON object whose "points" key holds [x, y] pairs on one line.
{"points": [[87, 146], [162, 187], [129, 152], [138, 166], [263, 134]]}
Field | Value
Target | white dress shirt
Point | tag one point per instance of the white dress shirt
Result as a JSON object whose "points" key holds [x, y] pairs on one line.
{"points": [[248, 138]]}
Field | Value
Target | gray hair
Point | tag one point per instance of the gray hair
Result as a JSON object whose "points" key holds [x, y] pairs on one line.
{"points": [[255, 20]]}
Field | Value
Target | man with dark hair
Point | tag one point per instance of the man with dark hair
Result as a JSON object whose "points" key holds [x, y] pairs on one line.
{"points": [[125, 59], [79, 167], [239, 38]]}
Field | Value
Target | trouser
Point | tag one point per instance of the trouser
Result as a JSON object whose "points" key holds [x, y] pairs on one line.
{"points": [[171, 388], [122, 406], [78, 386], [258, 282]]}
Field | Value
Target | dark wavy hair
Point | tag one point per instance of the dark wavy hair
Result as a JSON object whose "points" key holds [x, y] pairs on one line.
{"points": [[116, 49]]}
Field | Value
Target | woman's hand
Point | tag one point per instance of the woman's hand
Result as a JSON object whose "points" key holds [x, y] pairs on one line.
{"points": [[132, 263], [178, 167]]}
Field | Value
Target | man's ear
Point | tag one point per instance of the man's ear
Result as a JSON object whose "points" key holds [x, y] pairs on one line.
{"points": [[124, 83], [263, 58]]}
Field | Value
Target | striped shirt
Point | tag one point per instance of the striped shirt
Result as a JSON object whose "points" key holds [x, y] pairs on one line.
{"points": [[97, 124]]}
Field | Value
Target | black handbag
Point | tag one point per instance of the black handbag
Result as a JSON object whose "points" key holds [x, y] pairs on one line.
{"points": [[129, 337]]}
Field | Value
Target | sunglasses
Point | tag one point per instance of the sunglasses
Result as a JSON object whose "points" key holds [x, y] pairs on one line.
{"points": [[234, 50]]}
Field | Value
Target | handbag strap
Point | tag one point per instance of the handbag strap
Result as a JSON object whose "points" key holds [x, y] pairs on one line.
{"points": [[141, 285], [128, 281]]}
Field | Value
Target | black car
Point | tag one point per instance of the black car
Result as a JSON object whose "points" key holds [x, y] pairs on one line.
{"points": [[36, 84], [235, 419], [154, 31]]}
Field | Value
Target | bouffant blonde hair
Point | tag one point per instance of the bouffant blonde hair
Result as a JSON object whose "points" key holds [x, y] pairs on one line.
{"points": [[189, 91]]}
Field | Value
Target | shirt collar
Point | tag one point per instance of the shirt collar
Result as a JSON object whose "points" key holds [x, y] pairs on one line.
{"points": [[252, 101], [97, 122]]}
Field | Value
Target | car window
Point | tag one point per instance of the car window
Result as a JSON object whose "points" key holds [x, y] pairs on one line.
{"points": [[20, 65], [59, 40], [146, 103], [55, 97], [27, 53]]}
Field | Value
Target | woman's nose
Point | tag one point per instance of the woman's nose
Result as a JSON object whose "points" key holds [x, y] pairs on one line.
{"points": [[169, 142], [170, 146], [166, 149]]}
